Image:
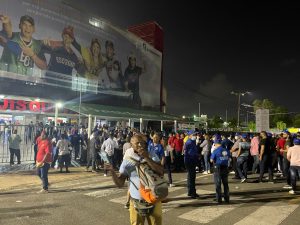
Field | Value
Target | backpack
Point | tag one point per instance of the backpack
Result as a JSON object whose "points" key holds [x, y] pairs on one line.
{"points": [[153, 187]]}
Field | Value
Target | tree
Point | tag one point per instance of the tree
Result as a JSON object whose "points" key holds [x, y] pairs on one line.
{"points": [[281, 125], [257, 104], [232, 122], [280, 116], [296, 122], [279, 112], [267, 104], [252, 126], [216, 122]]}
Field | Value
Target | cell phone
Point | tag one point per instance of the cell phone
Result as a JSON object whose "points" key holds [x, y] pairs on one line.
{"points": [[104, 157]]}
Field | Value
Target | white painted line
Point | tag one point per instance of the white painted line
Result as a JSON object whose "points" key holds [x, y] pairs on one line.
{"points": [[207, 214], [104, 192], [122, 200], [272, 213]]}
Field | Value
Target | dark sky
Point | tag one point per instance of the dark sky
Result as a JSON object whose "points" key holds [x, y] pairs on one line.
{"points": [[211, 50]]}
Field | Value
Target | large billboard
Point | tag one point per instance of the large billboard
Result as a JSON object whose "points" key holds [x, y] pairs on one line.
{"points": [[50, 50]]}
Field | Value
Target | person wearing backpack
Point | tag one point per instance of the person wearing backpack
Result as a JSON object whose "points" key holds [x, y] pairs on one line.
{"points": [[140, 210]]}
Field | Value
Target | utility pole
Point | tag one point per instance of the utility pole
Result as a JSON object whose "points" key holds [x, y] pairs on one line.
{"points": [[239, 94]]}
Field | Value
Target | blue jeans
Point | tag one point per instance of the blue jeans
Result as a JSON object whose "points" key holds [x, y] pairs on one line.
{"points": [[266, 161], [295, 171], [43, 175], [221, 176], [286, 170], [255, 163], [242, 166], [191, 177], [206, 161]]}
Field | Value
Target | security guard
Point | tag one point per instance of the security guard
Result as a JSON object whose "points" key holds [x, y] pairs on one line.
{"points": [[219, 158]]}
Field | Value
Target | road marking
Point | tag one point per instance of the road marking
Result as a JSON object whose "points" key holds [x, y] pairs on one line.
{"points": [[271, 213], [207, 214], [122, 200], [104, 192]]}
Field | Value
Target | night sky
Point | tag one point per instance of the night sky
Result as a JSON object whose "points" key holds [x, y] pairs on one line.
{"points": [[211, 50]]}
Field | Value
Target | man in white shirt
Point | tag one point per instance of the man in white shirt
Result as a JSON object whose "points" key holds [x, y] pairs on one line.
{"points": [[109, 146]]}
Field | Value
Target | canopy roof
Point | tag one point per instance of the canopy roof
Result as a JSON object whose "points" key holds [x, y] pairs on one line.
{"points": [[118, 112]]}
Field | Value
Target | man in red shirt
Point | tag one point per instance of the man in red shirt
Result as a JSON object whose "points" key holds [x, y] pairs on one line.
{"points": [[178, 146], [43, 160], [280, 146]]}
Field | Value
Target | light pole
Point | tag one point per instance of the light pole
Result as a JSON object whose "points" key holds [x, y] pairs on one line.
{"points": [[239, 94]]}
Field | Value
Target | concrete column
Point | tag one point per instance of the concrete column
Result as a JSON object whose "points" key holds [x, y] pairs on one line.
{"points": [[141, 124], [95, 121], [161, 125], [175, 126], [56, 115], [129, 122], [90, 125]]}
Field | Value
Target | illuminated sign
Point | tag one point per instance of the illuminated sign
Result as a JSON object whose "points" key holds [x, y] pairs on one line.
{"points": [[21, 105]]}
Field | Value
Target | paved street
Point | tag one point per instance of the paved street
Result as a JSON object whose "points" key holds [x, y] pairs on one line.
{"points": [[87, 198]]}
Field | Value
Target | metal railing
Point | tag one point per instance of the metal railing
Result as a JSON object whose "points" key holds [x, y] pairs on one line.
{"points": [[27, 134]]}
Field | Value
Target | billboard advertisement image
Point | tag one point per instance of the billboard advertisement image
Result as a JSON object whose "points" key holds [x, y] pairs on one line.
{"points": [[51, 50]]}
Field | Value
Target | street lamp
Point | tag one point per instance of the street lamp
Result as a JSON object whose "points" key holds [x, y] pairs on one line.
{"points": [[57, 106], [239, 94]]}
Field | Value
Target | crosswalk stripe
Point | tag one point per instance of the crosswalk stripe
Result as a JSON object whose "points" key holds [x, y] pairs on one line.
{"points": [[81, 183], [105, 192], [122, 200], [207, 214], [271, 213]]}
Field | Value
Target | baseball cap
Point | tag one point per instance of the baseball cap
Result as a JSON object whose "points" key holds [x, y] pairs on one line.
{"points": [[190, 132], [217, 140], [217, 136], [28, 19], [69, 30], [244, 135], [296, 141], [286, 132]]}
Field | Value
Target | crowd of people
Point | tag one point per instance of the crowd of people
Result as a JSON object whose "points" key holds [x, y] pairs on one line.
{"points": [[190, 151]]}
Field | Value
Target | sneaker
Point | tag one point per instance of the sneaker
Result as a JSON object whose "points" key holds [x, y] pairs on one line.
{"points": [[287, 186], [208, 172], [105, 175], [292, 192], [232, 172], [205, 172], [126, 206], [43, 191], [172, 185], [243, 180]]}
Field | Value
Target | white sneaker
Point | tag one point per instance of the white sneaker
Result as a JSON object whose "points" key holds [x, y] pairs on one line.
{"points": [[232, 172], [208, 172], [172, 185], [43, 191], [243, 180], [105, 175], [292, 192], [205, 172]]}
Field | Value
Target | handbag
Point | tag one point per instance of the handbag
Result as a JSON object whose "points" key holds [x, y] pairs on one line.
{"points": [[143, 208]]}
